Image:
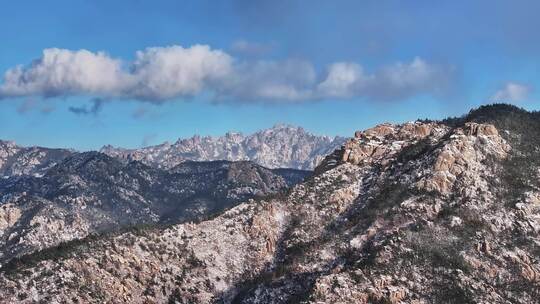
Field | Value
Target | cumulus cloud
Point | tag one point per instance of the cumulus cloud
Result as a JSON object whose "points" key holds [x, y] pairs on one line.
{"points": [[290, 80], [344, 79], [156, 74], [398, 81], [165, 73], [512, 92], [64, 72]]}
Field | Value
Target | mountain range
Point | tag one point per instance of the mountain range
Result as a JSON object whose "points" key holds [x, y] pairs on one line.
{"points": [[422, 212], [49, 196], [88, 193], [281, 146]]}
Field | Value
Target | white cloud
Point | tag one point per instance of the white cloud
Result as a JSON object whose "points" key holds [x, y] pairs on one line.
{"points": [[512, 92], [64, 72], [163, 73], [344, 79], [290, 80], [398, 81], [156, 74]]}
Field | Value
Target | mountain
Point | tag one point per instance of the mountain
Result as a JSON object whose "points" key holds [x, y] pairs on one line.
{"points": [[91, 193], [16, 160], [423, 212], [279, 147]]}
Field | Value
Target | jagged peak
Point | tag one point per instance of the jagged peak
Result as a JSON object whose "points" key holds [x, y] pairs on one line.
{"points": [[281, 146], [229, 134]]}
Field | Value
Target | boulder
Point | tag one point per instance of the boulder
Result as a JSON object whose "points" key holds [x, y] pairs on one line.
{"points": [[476, 129], [381, 130], [414, 131]]}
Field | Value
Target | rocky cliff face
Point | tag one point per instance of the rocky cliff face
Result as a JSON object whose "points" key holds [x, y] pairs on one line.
{"points": [[279, 147], [436, 212], [92, 192]]}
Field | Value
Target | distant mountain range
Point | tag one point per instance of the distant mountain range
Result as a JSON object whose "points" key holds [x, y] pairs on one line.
{"points": [[48, 196], [282, 146], [91, 192]]}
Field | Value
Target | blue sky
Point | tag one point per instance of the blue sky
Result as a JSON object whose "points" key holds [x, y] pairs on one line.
{"points": [[143, 72]]}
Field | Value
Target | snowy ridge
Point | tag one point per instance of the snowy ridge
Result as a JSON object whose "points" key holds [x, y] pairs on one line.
{"points": [[281, 146]]}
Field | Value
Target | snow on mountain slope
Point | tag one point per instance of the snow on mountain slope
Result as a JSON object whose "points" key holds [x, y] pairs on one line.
{"points": [[279, 147], [17, 160], [424, 212], [91, 192]]}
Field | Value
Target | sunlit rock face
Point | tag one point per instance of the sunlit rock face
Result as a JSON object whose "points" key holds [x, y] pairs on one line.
{"points": [[423, 212]]}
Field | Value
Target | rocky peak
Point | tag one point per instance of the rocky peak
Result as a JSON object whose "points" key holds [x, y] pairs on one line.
{"points": [[282, 146], [476, 129], [381, 143]]}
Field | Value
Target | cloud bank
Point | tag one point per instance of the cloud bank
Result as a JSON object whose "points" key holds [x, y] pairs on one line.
{"points": [[156, 74], [512, 92], [161, 74], [398, 81]]}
